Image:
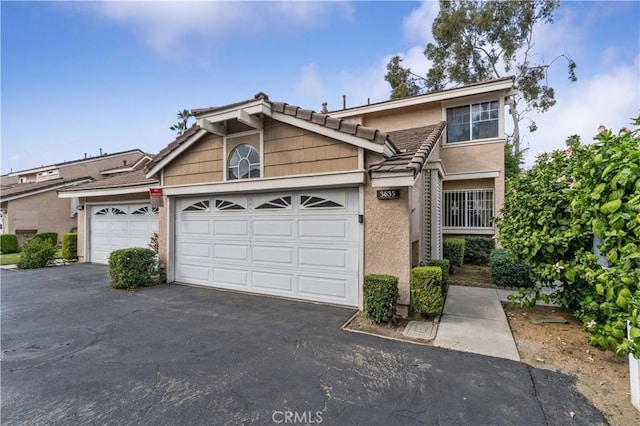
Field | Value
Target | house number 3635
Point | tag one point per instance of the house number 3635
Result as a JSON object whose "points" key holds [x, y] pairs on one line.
{"points": [[388, 194]]}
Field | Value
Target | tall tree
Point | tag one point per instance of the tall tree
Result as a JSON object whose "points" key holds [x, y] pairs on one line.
{"points": [[403, 82], [181, 125], [476, 41]]}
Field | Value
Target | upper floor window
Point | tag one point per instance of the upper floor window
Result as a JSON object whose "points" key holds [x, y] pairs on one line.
{"points": [[472, 122], [244, 163]]}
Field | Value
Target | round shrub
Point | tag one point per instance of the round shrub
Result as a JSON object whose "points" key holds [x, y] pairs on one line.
{"points": [[478, 249], [380, 297], [445, 265], [36, 253], [506, 272], [131, 268], [52, 237]]}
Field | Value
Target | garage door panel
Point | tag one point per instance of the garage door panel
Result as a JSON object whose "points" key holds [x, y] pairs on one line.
{"points": [[197, 273], [135, 225], [323, 229], [231, 228], [119, 241], [270, 255], [269, 228], [335, 259], [195, 227], [272, 281], [231, 277], [193, 249], [138, 242], [100, 225], [322, 287], [231, 252]]}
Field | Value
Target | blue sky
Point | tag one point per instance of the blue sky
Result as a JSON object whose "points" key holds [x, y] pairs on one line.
{"points": [[80, 76]]}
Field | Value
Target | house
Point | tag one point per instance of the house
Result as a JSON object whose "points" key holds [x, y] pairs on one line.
{"points": [[29, 201], [270, 198]]}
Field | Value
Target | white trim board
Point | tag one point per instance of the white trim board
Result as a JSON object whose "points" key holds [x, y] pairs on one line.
{"points": [[336, 179], [124, 190]]}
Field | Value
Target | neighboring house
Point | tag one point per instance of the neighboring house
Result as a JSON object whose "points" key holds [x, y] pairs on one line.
{"points": [[270, 198], [29, 202]]}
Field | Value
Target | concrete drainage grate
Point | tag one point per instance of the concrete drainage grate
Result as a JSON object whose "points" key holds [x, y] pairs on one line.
{"points": [[421, 330]]}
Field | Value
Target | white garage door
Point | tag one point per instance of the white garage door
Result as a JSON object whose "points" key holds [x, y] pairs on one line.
{"points": [[302, 245], [120, 226]]}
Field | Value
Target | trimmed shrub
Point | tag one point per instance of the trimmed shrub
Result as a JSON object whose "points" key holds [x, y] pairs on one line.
{"points": [[380, 297], [131, 268], [8, 243], [52, 237], [70, 246], [478, 249], [427, 296], [445, 265], [507, 273], [36, 253], [453, 249]]}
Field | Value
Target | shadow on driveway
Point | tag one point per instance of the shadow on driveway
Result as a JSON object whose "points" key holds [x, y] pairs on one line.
{"points": [[77, 352]]}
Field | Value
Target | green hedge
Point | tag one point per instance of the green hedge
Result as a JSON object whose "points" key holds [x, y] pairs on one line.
{"points": [[8, 243], [36, 253], [478, 249], [380, 297], [445, 265], [507, 273], [453, 249], [70, 246], [427, 295], [131, 268], [52, 237]]}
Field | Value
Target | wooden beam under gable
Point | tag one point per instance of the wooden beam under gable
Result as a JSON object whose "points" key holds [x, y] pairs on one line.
{"points": [[210, 127], [250, 120]]}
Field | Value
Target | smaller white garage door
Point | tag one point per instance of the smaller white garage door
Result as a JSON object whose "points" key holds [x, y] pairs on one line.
{"points": [[120, 226]]}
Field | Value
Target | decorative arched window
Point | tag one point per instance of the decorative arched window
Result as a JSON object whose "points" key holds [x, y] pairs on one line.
{"points": [[244, 163]]}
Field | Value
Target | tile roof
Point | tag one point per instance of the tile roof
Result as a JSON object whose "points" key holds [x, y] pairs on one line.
{"points": [[26, 188], [172, 146], [416, 143], [341, 125], [120, 180], [65, 163]]}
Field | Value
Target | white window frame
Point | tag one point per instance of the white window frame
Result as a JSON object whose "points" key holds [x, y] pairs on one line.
{"points": [[470, 101], [463, 212], [226, 153]]}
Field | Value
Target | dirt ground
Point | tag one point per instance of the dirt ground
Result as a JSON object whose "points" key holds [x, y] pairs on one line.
{"points": [[601, 376]]}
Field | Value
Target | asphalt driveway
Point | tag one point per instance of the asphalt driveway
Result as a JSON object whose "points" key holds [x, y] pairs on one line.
{"points": [[77, 352]]}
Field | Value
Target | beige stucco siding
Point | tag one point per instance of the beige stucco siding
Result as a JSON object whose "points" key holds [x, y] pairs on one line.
{"points": [[468, 158], [82, 233], [404, 118], [43, 212], [453, 185], [289, 150], [387, 236], [200, 163]]}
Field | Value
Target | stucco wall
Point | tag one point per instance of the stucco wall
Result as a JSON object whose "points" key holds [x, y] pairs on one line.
{"points": [[405, 118], [387, 236], [465, 158], [43, 212], [452, 185], [82, 232], [163, 238]]}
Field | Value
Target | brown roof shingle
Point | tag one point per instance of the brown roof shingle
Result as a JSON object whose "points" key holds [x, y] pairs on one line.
{"points": [[341, 125], [27, 188], [126, 179], [416, 143]]}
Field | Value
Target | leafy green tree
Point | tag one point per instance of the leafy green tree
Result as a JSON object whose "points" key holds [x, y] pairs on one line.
{"points": [[181, 125], [512, 161], [403, 82], [570, 206], [476, 41]]}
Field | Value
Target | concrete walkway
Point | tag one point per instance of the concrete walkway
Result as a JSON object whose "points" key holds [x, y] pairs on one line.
{"points": [[473, 321]]}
